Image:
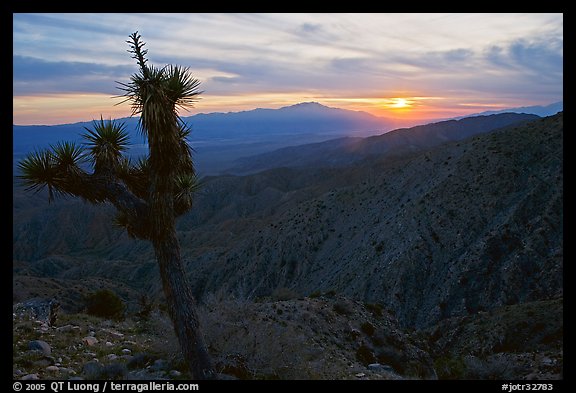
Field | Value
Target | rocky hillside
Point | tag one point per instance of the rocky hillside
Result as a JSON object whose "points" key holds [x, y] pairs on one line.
{"points": [[523, 341], [345, 151], [461, 228], [323, 336], [309, 338]]}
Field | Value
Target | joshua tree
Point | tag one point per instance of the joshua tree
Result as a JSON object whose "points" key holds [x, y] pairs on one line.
{"points": [[150, 193]]}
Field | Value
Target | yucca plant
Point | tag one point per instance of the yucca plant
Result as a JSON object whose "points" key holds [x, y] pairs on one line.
{"points": [[149, 193]]}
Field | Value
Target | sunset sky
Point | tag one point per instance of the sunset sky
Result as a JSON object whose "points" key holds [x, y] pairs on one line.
{"points": [[411, 66]]}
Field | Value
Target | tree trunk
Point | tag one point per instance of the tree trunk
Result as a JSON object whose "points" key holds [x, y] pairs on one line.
{"points": [[182, 307]]}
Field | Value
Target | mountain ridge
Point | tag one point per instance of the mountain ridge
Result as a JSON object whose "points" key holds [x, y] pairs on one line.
{"points": [[347, 150], [539, 110], [220, 138]]}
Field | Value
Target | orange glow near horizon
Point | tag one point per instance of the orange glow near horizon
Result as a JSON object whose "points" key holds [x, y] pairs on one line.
{"points": [[405, 109], [65, 108]]}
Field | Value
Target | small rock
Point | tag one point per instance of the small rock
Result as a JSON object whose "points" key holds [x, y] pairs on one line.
{"points": [[113, 333], [67, 371], [360, 375], [547, 362], [41, 363], [52, 368], [92, 333], [39, 345], [18, 372], [127, 358], [112, 356], [126, 351], [30, 377], [90, 340], [226, 377], [175, 373], [159, 364], [66, 328], [129, 343], [380, 367], [89, 354], [109, 344]]}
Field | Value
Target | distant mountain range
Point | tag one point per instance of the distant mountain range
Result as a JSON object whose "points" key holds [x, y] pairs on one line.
{"points": [[303, 118], [222, 138], [347, 150], [538, 110]]}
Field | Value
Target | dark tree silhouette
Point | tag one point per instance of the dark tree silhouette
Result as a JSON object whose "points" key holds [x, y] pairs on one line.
{"points": [[148, 194]]}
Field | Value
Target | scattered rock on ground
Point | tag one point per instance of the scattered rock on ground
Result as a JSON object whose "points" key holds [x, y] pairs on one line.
{"points": [[39, 345]]}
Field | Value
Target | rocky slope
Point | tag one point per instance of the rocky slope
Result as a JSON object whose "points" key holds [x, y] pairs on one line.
{"points": [[523, 341], [450, 231], [345, 151], [320, 338], [323, 336]]}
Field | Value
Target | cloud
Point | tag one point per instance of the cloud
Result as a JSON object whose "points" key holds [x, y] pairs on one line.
{"points": [[332, 55], [310, 28], [37, 76]]}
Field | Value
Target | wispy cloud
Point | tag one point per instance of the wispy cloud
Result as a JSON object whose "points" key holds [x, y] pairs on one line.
{"points": [[32, 75], [519, 56]]}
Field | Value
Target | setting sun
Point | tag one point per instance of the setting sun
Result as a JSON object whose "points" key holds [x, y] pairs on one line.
{"points": [[399, 103]]}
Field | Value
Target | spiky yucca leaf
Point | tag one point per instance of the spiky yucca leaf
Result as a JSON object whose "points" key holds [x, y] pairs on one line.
{"points": [[185, 162], [156, 95], [67, 157], [53, 168], [106, 142], [38, 171], [181, 86], [185, 186]]}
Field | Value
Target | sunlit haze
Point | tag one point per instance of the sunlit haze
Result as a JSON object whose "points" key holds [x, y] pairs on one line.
{"points": [[403, 66]]}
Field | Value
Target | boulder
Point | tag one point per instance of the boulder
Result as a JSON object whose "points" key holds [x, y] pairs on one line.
{"points": [[43, 310], [90, 340], [39, 345]]}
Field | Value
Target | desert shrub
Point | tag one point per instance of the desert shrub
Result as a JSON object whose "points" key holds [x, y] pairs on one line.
{"points": [[497, 367], [393, 357], [146, 306], [375, 308], [140, 360], [450, 367], [93, 370], [105, 304], [331, 293], [342, 308], [249, 347], [364, 355], [367, 328], [114, 371], [283, 293]]}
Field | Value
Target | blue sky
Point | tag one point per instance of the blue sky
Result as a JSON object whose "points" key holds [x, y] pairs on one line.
{"points": [[414, 66]]}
